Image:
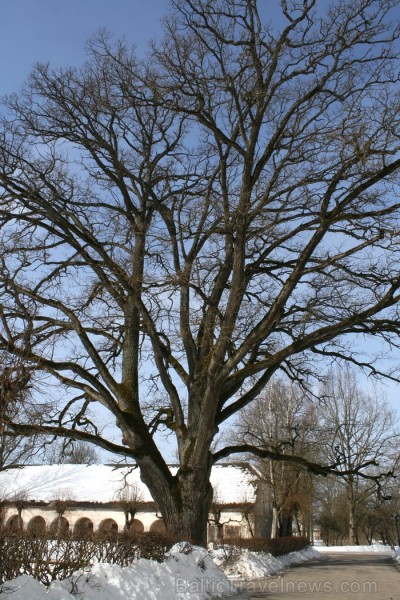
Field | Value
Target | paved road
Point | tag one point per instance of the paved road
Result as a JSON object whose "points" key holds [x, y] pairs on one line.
{"points": [[354, 576]]}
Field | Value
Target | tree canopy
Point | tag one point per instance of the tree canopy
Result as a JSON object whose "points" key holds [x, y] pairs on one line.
{"points": [[174, 231]]}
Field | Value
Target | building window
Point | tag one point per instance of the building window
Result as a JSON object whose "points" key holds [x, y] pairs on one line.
{"points": [[232, 531], [37, 526], [60, 526], [109, 527], [14, 524], [83, 527], [158, 526]]}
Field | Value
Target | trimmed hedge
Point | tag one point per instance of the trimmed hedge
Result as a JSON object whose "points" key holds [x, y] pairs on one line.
{"points": [[47, 558], [275, 546]]}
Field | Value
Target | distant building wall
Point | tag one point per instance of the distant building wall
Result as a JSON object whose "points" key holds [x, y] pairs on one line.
{"points": [[73, 515], [108, 498], [108, 519]]}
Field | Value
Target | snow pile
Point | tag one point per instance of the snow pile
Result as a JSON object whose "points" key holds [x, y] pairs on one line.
{"points": [[188, 573], [372, 548], [257, 565], [396, 556], [295, 558]]}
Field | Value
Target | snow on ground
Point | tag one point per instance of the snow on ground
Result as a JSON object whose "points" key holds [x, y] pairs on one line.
{"points": [[345, 549], [183, 576], [396, 556], [256, 565]]}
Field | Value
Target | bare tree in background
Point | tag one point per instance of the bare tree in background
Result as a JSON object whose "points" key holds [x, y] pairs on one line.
{"points": [[282, 421], [358, 432], [71, 452], [331, 512], [377, 514], [130, 498], [176, 231]]}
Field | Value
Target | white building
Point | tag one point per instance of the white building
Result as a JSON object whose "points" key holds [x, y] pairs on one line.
{"points": [[107, 498]]}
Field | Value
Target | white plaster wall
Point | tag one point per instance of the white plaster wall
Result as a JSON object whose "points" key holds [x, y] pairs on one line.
{"points": [[237, 519], [97, 515]]}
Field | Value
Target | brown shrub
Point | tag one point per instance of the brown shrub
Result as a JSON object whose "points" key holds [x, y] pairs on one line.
{"points": [[274, 546], [47, 558]]}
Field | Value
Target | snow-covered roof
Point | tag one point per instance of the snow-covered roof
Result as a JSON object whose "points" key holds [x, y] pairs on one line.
{"points": [[106, 483]]}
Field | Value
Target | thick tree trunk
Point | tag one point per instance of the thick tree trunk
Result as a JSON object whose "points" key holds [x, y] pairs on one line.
{"points": [[352, 528], [351, 503], [184, 500], [274, 527], [188, 518], [286, 525]]}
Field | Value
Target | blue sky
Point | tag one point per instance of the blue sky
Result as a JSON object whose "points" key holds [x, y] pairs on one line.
{"points": [[56, 31]]}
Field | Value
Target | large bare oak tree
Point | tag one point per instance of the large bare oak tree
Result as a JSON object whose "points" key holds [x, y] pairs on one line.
{"points": [[356, 429], [176, 231], [284, 419]]}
